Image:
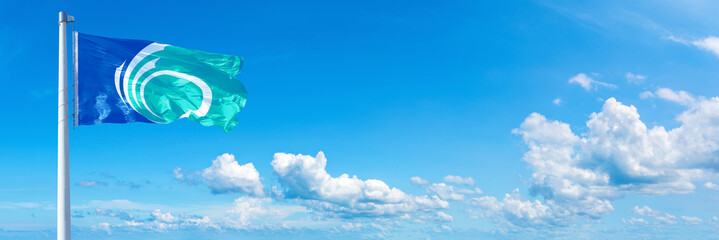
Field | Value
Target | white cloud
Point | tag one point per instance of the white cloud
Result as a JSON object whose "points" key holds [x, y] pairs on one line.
{"points": [[418, 180], [227, 176], [350, 226], [710, 44], [306, 179], [91, 183], [646, 94], [635, 78], [133, 223], [635, 221], [438, 216], [103, 226], [167, 217], [660, 216], [692, 220], [618, 154], [158, 220], [114, 213], [515, 211], [557, 101], [246, 209], [588, 83], [448, 192], [18, 205], [677, 40], [711, 185], [459, 180], [680, 97], [179, 174]]}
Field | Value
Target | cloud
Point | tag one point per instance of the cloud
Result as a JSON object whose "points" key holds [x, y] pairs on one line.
{"points": [[557, 101], [677, 40], [711, 185], [646, 94], [588, 83], [258, 212], [617, 155], [245, 209], [660, 216], [103, 226], [680, 97], [459, 180], [24, 206], [515, 211], [710, 44], [305, 179], [438, 217], [418, 180], [635, 221], [110, 213], [692, 220], [448, 192], [91, 183], [635, 78], [166, 217], [227, 176], [157, 220]]}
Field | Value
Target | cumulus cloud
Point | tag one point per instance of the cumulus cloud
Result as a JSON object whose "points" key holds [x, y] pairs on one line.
{"points": [[305, 178], [515, 211], [166, 217], [557, 101], [588, 83], [579, 175], [245, 209], [710, 44], [635, 78], [227, 176], [459, 180]]}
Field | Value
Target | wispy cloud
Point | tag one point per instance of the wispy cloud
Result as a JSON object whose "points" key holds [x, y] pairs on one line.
{"points": [[710, 44], [458, 180], [588, 83], [635, 78], [90, 183]]}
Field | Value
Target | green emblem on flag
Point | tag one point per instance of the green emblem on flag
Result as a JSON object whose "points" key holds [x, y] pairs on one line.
{"points": [[165, 83]]}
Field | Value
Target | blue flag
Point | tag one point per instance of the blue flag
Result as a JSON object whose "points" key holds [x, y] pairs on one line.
{"points": [[123, 81]]}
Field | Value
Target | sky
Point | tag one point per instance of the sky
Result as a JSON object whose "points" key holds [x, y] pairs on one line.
{"points": [[385, 120]]}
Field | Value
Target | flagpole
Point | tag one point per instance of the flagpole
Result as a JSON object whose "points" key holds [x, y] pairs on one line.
{"points": [[63, 166]]}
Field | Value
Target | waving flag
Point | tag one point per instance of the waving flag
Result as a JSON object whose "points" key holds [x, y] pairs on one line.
{"points": [[123, 81]]}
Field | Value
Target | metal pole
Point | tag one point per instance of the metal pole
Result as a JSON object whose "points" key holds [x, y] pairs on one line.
{"points": [[63, 166]]}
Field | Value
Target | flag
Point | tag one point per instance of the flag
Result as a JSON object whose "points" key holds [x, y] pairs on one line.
{"points": [[124, 81]]}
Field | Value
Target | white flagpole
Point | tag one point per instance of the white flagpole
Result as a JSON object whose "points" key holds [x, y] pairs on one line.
{"points": [[63, 166]]}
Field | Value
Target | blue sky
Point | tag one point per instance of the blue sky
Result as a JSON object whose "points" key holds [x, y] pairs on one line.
{"points": [[452, 120]]}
